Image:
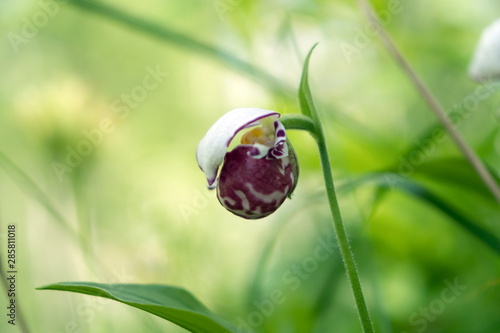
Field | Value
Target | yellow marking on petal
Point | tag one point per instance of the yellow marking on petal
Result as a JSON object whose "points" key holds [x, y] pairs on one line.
{"points": [[262, 135]]}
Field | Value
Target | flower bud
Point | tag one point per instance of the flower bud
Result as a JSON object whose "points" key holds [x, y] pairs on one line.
{"points": [[259, 173], [254, 188]]}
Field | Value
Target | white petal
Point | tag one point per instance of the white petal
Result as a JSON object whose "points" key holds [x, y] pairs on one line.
{"points": [[486, 61], [259, 151], [213, 146]]}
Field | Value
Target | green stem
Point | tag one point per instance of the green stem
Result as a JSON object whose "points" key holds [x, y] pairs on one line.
{"points": [[342, 239], [315, 129], [310, 122], [298, 122]]}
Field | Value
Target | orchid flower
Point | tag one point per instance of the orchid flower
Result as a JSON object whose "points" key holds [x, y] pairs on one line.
{"points": [[259, 173]]}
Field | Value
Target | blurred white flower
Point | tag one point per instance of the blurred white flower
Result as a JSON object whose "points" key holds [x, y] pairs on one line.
{"points": [[486, 61]]}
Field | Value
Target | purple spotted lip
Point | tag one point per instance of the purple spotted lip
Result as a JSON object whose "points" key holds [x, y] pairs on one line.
{"points": [[258, 174]]}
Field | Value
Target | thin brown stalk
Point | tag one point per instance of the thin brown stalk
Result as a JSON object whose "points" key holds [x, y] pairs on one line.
{"points": [[432, 102]]}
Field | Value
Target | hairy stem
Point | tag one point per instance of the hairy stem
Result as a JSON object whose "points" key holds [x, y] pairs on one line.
{"points": [[342, 239], [432, 102], [310, 121], [314, 128]]}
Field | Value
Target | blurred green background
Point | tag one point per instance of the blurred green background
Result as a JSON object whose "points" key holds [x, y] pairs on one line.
{"points": [[132, 207]]}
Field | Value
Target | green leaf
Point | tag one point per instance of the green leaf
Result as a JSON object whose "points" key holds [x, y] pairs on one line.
{"points": [[456, 171], [460, 218], [171, 303], [305, 97], [437, 202]]}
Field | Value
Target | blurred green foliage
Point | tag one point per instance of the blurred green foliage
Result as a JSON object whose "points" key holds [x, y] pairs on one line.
{"points": [[132, 206]]}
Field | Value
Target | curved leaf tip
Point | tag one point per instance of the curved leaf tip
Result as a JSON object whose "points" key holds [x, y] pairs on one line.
{"points": [[305, 98]]}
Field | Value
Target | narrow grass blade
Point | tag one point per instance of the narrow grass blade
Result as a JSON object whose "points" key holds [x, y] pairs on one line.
{"points": [[33, 190], [418, 191], [175, 37], [461, 219]]}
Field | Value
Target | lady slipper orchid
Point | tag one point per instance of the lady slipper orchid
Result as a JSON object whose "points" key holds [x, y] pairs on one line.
{"points": [[259, 173]]}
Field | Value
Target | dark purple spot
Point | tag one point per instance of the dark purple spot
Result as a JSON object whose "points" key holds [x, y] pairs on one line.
{"points": [[254, 151], [281, 133]]}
